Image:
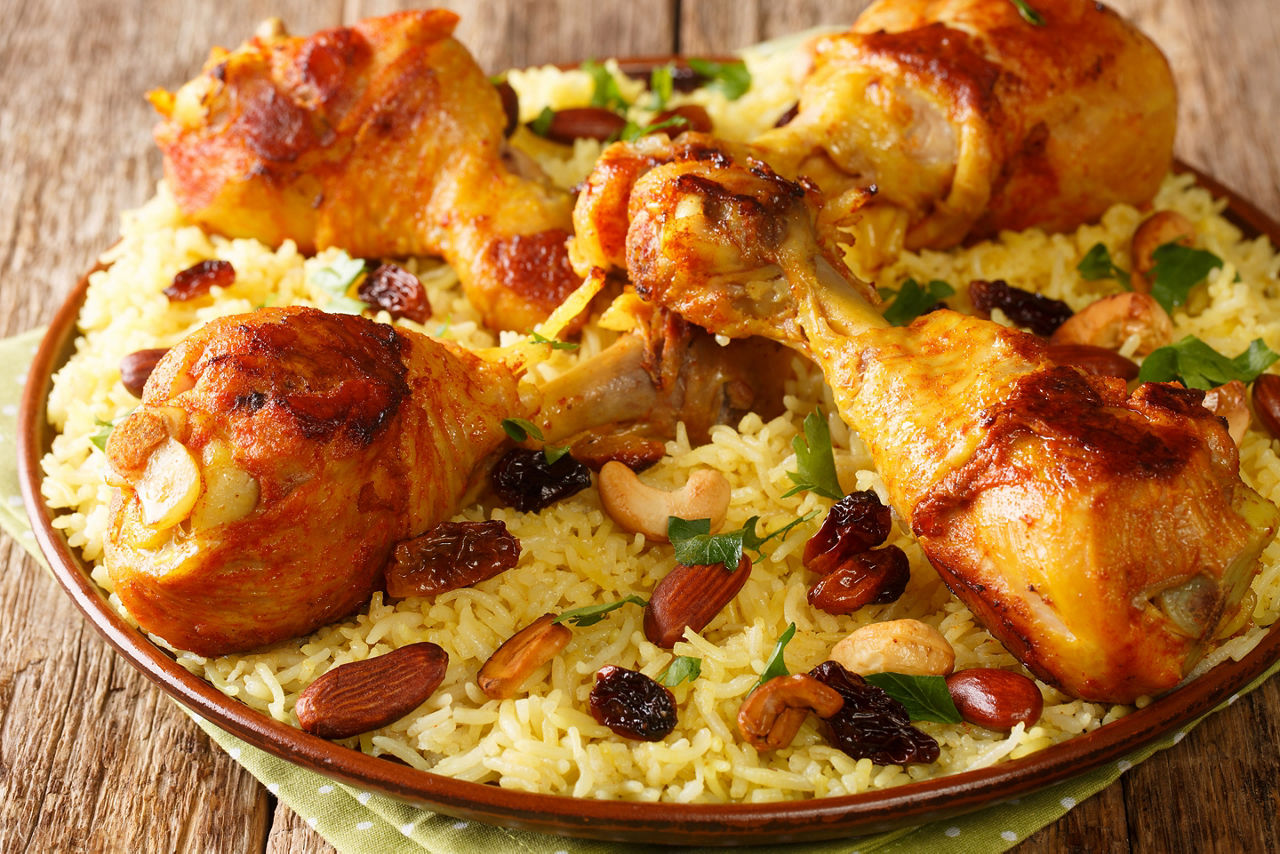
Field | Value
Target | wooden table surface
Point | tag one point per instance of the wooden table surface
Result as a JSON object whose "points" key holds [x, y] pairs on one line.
{"points": [[92, 757]]}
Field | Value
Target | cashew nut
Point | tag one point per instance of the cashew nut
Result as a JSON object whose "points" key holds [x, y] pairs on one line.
{"points": [[1155, 231], [1110, 321], [771, 715], [1230, 401], [896, 646], [640, 508]]}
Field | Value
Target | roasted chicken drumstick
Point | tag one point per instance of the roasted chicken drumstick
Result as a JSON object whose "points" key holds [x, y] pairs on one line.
{"points": [[1103, 537], [384, 138], [277, 457], [969, 119]]}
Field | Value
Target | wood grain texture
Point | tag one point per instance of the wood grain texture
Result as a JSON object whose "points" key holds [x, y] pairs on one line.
{"points": [[93, 758]]}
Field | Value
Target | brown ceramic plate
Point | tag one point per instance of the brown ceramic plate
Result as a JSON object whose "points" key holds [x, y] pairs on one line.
{"points": [[705, 824]]}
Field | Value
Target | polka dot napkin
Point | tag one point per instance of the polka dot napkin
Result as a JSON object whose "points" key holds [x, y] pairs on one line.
{"points": [[358, 821]]}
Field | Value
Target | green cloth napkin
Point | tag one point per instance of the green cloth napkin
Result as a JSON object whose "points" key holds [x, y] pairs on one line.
{"points": [[356, 821]]}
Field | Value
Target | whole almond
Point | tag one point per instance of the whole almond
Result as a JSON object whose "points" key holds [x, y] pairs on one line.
{"points": [[995, 699], [136, 368], [584, 122], [1266, 402], [364, 695], [521, 654], [1094, 360], [691, 596]]}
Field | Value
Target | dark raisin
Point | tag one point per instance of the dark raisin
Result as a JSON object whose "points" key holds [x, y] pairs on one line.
{"points": [[525, 480], [197, 279], [1040, 314], [785, 118], [874, 577], [397, 291], [855, 523], [510, 107], [449, 556], [632, 705], [871, 724]]}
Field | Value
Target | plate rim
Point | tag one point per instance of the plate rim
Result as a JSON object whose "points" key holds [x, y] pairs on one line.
{"points": [[810, 819]]}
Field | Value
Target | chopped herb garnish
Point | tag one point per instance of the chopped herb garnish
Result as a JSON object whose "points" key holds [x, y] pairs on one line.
{"points": [[681, 669], [520, 429], [776, 666], [102, 434], [553, 453], [731, 79], [444, 327], [695, 545], [1197, 365], [335, 280], [539, 338], [1030, 15], [661, 85], [815, 461], [542, 122], [925, 697], [605, 92], [910, 301], [632, 131], [1096, 264], [589, 615], [1177, 270]]}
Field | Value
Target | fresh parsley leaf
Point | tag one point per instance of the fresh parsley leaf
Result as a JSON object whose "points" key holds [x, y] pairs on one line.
{"points": [[775, 666], [1197, 365], [553, 453], [1096, 264], [102, 434], [661, 85], [925, 697], [539, 338], [910, 301], [731, 79], [815, 461], [589, 615], [1030, 15], [753, 541], [681, 668], [695, 545], [604, 92], [335, 280], [1177, 270], [542, 122], [520, 429], [632, 131]]}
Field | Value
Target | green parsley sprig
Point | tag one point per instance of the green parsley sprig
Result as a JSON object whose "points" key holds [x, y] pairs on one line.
{"points": [[1197, 365], [731, 79], [681, 669], [521, 429], [910, 301], [335, 280], [1028, 13], [604, 89], [1096, 265], [695, 545], [926, 698], [589, 615], [815, 460], [1176, 270], [776, 665]]}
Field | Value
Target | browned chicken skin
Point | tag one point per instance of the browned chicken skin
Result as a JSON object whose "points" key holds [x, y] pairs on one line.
{"points": [[277, 457], [1103, 537], [384, 138], [969, 120]]}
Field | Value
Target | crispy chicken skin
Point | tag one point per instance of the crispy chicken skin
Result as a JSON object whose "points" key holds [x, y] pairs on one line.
{"points": [[1103, 537], [384, 138], [969, 120], [277, 457], [275, 460]]}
